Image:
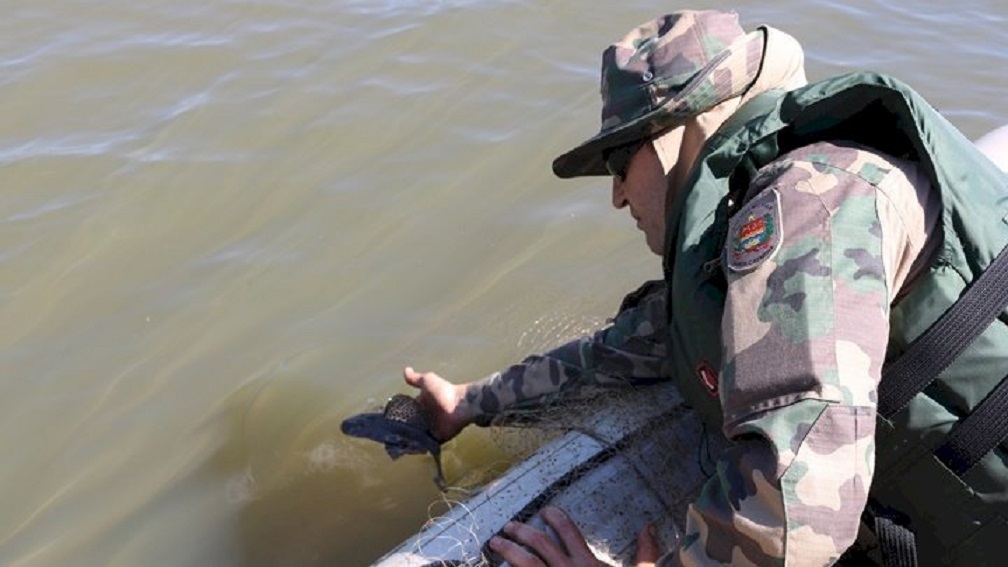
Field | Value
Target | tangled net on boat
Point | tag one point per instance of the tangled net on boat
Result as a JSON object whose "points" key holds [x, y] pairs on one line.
{"points": [[614, 459]]}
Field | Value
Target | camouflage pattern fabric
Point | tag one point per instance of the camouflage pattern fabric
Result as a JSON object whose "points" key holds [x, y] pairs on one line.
{"points": [[628, 94], [662, 73], [804, 335], [632, 350]]}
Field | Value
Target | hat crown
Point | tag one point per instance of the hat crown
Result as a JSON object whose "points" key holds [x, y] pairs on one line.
{"points": [[656, 60], [660, 74]]}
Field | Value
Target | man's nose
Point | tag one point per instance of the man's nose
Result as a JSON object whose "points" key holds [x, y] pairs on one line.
{"points": [[618, 198]]}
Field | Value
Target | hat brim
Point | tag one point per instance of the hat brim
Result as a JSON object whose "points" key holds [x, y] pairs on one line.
{"points": [[587, 159]]}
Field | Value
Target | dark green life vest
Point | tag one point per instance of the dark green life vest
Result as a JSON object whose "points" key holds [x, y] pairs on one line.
{"points": [[957, 519]]}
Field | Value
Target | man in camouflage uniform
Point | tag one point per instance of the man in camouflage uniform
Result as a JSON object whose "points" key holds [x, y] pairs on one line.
{"points": [[829, 237]]}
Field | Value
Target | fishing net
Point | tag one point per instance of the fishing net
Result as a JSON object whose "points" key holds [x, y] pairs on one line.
{"points": [[614, 459]]}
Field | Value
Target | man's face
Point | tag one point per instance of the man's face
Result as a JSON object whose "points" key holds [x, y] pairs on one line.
{"points": [[644, 189]]}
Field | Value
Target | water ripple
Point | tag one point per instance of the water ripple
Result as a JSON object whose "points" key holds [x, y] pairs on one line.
{"points": [[72, 145], [50, 206], [421, 7]]}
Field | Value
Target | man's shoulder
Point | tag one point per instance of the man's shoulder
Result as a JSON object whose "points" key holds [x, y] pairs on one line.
{"points": [[829, 162]]}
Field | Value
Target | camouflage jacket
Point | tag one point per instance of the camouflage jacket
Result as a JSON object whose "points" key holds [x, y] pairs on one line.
{"points": [[804, 336], [828, 237]]}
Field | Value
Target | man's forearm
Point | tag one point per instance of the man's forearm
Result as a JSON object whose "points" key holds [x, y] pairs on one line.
{"points": [[630, 351]]}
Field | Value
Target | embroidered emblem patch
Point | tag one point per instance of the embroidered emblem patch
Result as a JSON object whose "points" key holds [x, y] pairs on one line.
{"points": [[755, 232]]}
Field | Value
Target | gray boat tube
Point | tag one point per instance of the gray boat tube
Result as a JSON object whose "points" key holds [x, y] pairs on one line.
{"points": [[994, 145]]}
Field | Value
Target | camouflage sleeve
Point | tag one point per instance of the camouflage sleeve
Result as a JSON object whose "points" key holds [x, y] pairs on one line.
{"points": [[630, 350], [810, 262]]}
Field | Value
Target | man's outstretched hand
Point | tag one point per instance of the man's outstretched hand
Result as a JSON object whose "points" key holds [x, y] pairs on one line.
{"points": [[442, 401]]}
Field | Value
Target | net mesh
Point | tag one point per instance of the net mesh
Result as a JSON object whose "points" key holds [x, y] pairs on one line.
{"points": [[614, 459], [610, 471]]}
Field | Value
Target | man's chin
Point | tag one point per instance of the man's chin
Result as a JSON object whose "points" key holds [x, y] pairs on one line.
{"points": [[655, 249]]}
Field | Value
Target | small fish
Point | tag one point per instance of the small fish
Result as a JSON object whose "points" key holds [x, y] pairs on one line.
{"points": [[402, 427]]}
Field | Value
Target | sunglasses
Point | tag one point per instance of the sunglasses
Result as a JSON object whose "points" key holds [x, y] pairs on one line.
{"points": [[617, 160]]}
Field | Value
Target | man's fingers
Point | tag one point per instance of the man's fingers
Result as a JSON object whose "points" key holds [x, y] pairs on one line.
{"points": [[647, 547], [412, 377], [538, 541], [569, 533], [514, 554], [529, 546]]}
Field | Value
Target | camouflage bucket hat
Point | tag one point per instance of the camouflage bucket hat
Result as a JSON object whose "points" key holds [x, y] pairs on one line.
{"points": [[662, 73]]}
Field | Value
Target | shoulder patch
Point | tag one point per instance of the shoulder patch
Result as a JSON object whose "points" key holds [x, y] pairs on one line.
{"points": [[754, 233]]}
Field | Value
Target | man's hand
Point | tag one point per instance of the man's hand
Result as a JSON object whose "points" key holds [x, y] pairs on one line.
{"points": [[540, 550], [443, 402]]}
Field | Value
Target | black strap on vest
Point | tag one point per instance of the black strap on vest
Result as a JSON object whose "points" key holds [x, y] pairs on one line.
{"points": [[897, 543], [935, 349], [924, 359], [985, 428]]}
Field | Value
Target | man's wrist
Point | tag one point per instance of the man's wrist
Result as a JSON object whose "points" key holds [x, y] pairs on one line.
{"points": [[475, 405]]}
